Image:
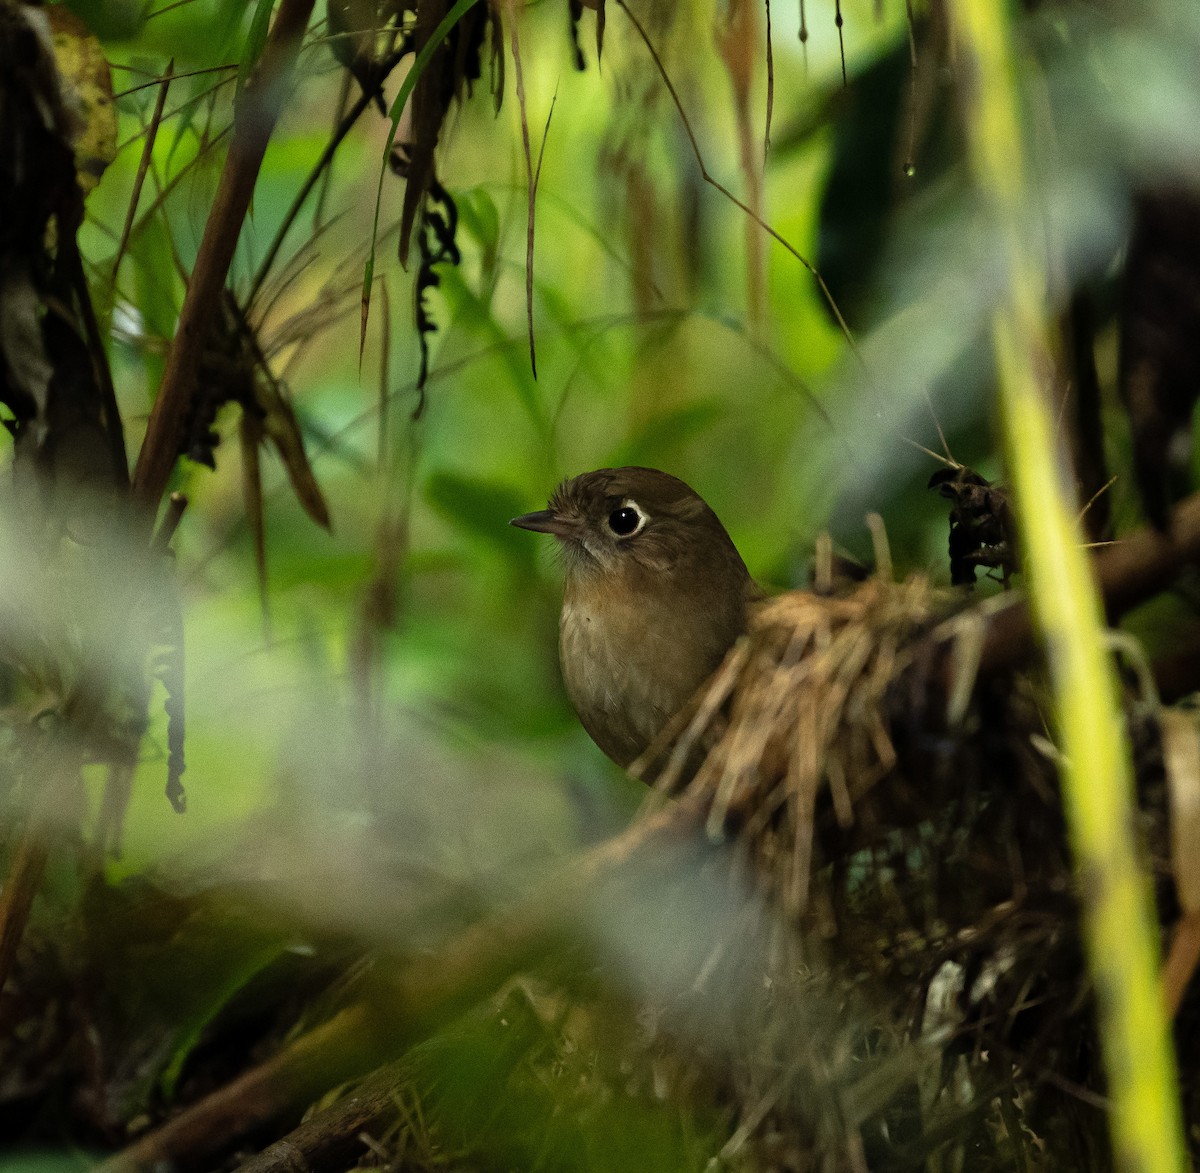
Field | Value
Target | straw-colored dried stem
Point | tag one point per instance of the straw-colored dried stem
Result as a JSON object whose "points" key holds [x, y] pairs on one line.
{"points": [[810, 685]]}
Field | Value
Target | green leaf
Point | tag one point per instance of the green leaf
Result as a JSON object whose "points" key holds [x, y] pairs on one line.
{"points": [[110, 20], [256, 38], [191, 957], [230, 970], [35, 1162], [477, 213], [157, 290], [469, 309]]}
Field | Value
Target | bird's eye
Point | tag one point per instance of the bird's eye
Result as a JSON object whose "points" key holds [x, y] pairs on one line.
{"points": [[626, 521]]}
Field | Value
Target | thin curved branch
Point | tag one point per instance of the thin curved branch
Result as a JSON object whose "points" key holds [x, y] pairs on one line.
{"points": [[1128, 572]]}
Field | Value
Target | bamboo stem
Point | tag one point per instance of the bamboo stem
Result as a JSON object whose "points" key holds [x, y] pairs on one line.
{"points": [[1119, 928]]}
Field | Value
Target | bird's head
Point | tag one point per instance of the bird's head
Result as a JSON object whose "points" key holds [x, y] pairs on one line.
{"points": [[623, 521]]}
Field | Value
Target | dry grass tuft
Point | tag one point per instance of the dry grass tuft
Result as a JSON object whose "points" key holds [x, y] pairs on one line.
{"points": [[810, 687]]}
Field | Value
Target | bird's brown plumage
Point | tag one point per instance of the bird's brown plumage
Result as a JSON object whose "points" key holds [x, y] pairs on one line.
{"points": [[647, 614]]}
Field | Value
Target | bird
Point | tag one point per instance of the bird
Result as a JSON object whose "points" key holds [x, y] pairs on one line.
{"points": [[655, 594]]}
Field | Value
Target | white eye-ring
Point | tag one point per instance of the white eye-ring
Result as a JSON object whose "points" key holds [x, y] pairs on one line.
{"points": [[627, 519]]}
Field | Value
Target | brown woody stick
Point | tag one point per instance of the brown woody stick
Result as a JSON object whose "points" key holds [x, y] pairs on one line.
{"points": [[1128, 573], [332, 1138], [58, 773], [254, 121], [1182, 959]]}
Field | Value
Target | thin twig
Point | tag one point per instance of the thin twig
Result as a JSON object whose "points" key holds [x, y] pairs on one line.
{"points": [[319, 168], [143, 164], [839, 21], [383, 451], [331, 1138], [770, 89], [177, 503], [533, 174], [175, 111], [1128, 572], [168, 188], [156, 79]]}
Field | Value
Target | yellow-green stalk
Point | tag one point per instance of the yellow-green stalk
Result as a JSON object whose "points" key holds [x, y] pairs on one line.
{"points": [[1119, 926]]}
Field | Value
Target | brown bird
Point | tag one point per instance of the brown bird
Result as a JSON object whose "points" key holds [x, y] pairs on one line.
{"points": [[655, 595]]}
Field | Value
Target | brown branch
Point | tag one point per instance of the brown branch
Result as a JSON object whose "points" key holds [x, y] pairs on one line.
{"points": [[57, 770], [533, 175], [170, 523], [16, 899], [1128, 572], [332, 1053], [1182, 959], [770, 90], [736, 42], [330, 1140], [254, 121], [426, 993]]}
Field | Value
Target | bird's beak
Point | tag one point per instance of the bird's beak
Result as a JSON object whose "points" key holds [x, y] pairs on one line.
{"points": [[545, 521]]}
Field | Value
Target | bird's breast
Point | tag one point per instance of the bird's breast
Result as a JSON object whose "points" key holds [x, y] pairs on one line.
{"points": [[628, 669]]}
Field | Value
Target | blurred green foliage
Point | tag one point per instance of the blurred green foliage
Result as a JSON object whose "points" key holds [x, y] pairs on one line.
{"points": [[397, 753]]}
